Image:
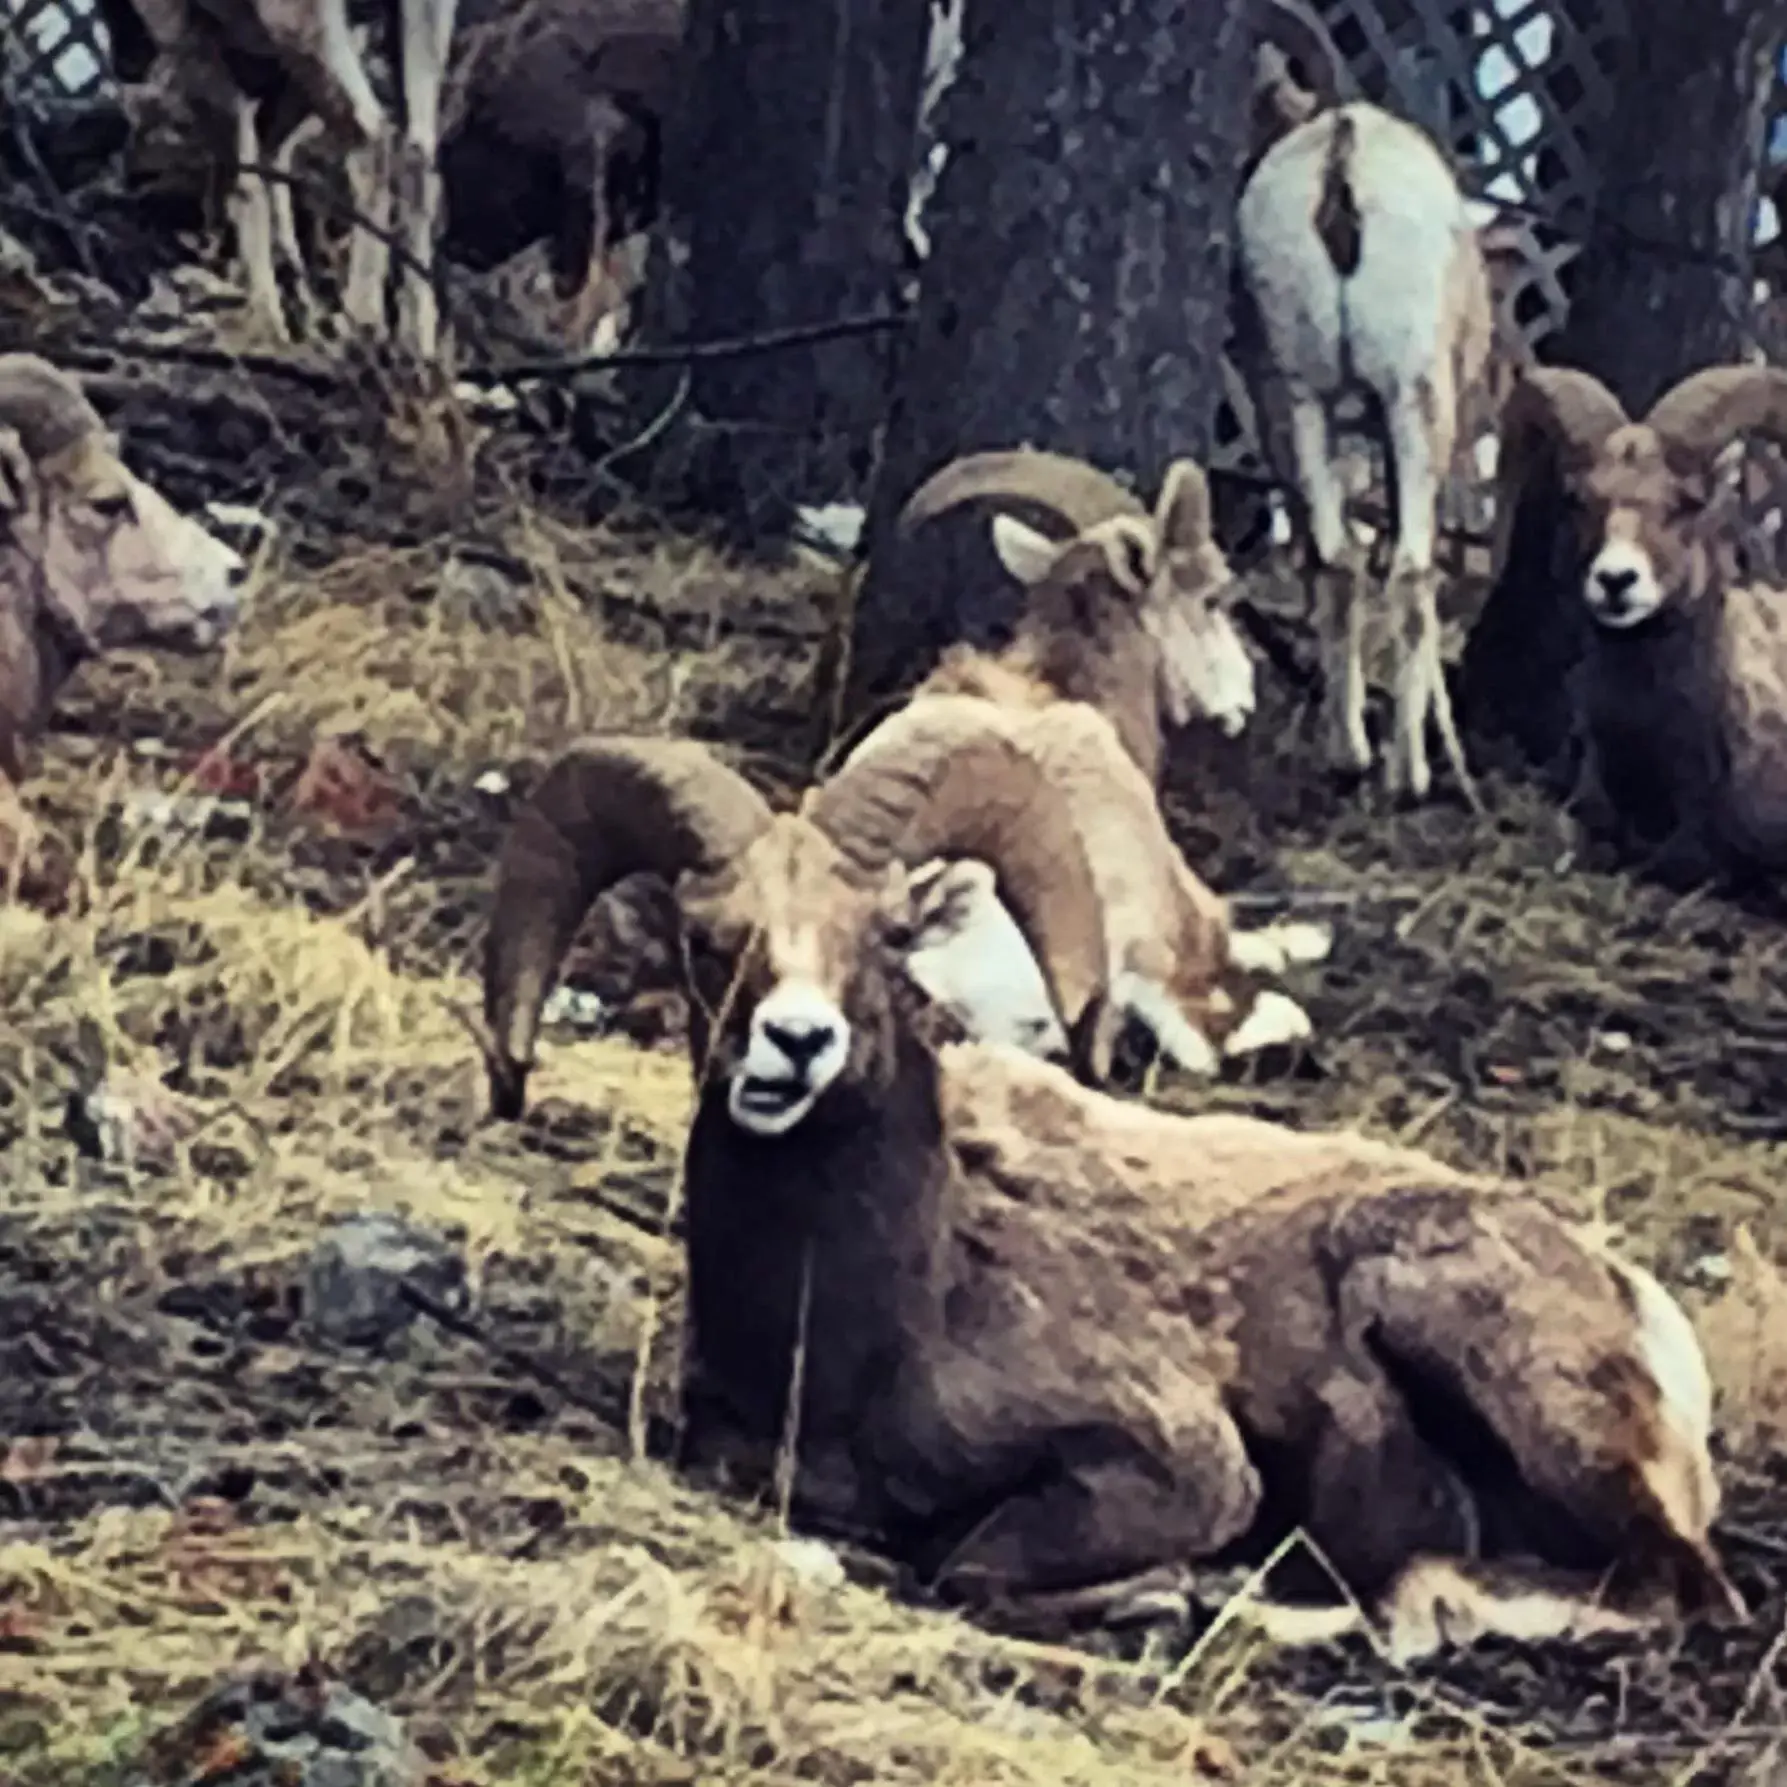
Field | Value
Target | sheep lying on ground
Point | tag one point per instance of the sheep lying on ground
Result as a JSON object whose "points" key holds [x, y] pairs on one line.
{"points": [[92, 559], [1172, 960], [1046, 1348], [1047, 889], [1129, 612], [1360, 274], [1681, 692]]}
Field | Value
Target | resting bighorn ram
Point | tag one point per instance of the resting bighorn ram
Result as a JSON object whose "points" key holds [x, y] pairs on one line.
{"points": [[1681, 690], [92, 559], [1128, 612], [1172, 959], [1050, 1347], [1359, 274]]}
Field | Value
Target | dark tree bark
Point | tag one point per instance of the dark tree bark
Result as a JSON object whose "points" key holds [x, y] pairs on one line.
{"points": [[787, 168], [1078, 288], [1664, 282]]}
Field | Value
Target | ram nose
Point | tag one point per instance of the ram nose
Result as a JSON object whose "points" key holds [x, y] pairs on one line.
{"points": [[1622, 588], [799, 1043], [802, 1040], [1616, 587]]}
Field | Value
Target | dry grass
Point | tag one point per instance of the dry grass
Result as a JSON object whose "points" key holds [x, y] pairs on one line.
{"points": [[191, 1480]]}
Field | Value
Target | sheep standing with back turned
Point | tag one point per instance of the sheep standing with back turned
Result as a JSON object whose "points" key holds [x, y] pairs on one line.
{"points": [[1360, 274], [1050, 1348], [92, 558], [1680, 697]]}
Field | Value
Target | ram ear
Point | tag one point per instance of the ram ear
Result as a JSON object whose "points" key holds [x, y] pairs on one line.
{"points": [[1027, 554]]}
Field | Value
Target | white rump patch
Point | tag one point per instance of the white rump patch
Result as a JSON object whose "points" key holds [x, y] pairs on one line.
{"points": [[799, 1044]]}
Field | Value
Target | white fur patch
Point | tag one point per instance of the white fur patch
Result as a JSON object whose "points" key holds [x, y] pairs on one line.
{"points": [[1275, 1018], [1218, 674], [970, 957], [1621, 587], [1671, 1351], [1270, 949], [1435, 1605], [799, 1044], [1155, 1008]]}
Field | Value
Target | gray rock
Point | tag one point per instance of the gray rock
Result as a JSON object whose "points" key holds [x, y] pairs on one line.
{"points": [[356, 1278], [281, 1730]]}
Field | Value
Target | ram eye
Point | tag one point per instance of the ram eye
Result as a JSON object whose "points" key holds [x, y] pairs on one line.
{"points": [[114, 507]]}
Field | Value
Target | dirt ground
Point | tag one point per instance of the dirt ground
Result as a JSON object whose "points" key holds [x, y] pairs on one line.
{"points": [[469, 1527]]}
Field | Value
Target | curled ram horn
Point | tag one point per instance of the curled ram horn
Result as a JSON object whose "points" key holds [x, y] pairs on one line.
{"points": [[940, 779], [1550, 408], [1078, 493], [606, 809], [1708, 409], [44, 406]]}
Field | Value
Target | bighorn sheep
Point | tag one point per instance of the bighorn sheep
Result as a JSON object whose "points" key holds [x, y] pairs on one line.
{"points": [[877, 815], [560, 138], [1681, 691], [92, 559], [279, 68], [1173, 962], [1129, 612], [1048, 1349], [1360, 274]]}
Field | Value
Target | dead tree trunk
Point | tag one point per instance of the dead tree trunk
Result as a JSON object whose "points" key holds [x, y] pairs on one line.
{"points": [[787, 171], [1664, 285], [1077, 293]]}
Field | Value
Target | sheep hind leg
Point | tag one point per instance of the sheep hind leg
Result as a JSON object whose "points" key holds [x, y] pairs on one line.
{"points": [[369, 250], [427, 36], [1333, 583], [1419, 436], [1438, 1602], [252, 213], [287, 132], [285, 219]]}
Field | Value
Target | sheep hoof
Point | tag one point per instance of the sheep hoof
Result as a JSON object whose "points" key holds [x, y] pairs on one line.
{"points": [[1303, 941], [1273, 948], [1274, 1020]]}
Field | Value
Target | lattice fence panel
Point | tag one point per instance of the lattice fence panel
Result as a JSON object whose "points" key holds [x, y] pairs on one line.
{"points": [[54, 48], [1517, 89]]}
